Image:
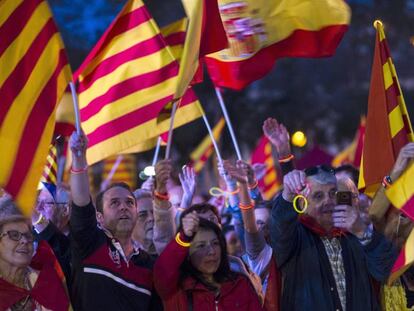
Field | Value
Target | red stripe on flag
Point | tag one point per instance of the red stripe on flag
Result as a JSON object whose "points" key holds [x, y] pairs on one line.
{"points": [[406, 123], [400, 262], [34, 128], [384, 51], [18, 78], [10, 30], [176, 38], [391, 95], [134, 119], [302, 43], [108, 65], [128, 87], [122, 23], [398, 141]]}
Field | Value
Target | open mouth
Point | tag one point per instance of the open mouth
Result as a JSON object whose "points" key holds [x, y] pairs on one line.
{"points": [[23, 251]]}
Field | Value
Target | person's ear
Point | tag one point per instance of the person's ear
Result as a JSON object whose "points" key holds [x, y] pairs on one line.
{"points": [[99, 217]]}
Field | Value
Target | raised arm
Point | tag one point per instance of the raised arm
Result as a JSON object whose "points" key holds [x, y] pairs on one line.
{"points": [[188, 183], [284, 227], [381, 204], [79, 181], [164, 225], [167, 266]]}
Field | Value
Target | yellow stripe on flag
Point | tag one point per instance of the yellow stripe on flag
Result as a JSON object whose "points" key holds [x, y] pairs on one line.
{"points": [[402, 189], [395, 120], [206, 143], [386, 71], [7, 8]]}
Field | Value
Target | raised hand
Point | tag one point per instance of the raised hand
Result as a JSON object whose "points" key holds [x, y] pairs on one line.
{"points": [[149, 184], [190, 224], [278, 136], [188, 181], [293, 183], [237, 172], [163, 171], [348, 218], [406, 154]]}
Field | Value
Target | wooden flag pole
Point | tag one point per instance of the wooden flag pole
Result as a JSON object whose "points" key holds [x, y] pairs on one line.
{"points": [[210, 132], [170, 131], [112, 172], [229, 125]]}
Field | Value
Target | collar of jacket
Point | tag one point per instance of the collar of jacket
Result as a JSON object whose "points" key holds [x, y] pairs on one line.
{"points": [[310, 223]]}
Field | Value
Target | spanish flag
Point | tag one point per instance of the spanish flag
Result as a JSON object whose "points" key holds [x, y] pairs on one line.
{"points": [[34, 74], [270, 183], [388, 126], [405, 259], [127, 79], [205, 149], [259, 32]]}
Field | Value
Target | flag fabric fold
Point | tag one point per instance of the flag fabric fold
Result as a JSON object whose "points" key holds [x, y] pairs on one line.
{"points": [[34, 74], [270, 183], [260, 32], [51, 168], [388, 127], [205, 149]]}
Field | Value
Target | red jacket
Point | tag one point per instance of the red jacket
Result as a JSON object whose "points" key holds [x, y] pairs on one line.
{"points": [[238, 294]]}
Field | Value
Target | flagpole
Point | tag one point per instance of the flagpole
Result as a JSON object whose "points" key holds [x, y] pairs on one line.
{"points": [[75, 107], [112, 172], [229, 125], [157, 151], [210, 132], [170, 131]]}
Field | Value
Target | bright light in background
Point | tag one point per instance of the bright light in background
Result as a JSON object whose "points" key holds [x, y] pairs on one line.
{"points": [[299, 139], [412, 40], [149, 171]]}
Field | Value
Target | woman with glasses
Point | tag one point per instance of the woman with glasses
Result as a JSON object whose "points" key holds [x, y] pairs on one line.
{"points": [[193, 272], [27, 283]]}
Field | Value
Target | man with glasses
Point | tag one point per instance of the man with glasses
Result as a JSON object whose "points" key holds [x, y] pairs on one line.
{"points": [[329, 255]]}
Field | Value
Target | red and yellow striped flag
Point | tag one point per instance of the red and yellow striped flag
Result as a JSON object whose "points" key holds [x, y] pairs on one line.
{"points": [[127, 79], [125, 172], [405, 259], [353, 153], [388, 126], [270, 183], [260, 32], [206, 148], [34, 74], [50, 171]]}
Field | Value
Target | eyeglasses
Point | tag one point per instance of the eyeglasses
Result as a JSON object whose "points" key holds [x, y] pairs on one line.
{"points": [[315, 169], [17, 235]]}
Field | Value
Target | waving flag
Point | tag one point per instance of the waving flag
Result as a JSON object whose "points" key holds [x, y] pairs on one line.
{"points": [[125, 82], [50, 171], [388, 126], [34, 74], [259, 32]]}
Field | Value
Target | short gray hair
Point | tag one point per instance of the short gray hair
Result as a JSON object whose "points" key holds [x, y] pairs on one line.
{"points": [[8, 208], [323, 178]]}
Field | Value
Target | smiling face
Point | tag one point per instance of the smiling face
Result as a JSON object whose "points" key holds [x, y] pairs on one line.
{"points": [[119, 211], [321, 202], [205, 252], [16, 253]]}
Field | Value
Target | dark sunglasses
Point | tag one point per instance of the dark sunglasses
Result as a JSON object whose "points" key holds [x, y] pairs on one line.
{"points": [[315, 170], [17, 235]]}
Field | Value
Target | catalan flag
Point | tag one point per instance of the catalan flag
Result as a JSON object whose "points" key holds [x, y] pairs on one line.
{"points": [[388, 126], [127, 79], [50, 171], [352, 154], [34, 74], [270, 183], [205, 149], [259, 32], [126, 171], [405, 259]]}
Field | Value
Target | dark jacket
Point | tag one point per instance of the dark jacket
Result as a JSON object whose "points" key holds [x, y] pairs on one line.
{"points": [[308, 281], [102, 279], [237, 294]]}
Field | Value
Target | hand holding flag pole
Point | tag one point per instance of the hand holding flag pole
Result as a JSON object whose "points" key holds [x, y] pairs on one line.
{"points": [[228, 122]]}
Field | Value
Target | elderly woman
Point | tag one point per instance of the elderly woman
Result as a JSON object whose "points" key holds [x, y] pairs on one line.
{"points": [[193, 272], [27, 282]]}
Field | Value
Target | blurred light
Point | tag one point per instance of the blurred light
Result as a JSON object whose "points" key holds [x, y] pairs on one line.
{"points": [[149, 171], [299, 139], [412, 40]]}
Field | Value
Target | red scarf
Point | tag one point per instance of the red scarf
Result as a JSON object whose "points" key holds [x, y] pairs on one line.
{"points": [[310, 223], [49, 289]]}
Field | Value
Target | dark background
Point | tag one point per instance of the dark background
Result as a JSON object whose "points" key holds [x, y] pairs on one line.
{"points": [[323, 97]]}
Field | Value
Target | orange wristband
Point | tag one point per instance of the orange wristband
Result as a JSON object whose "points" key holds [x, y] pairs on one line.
{"points": [[162, 197], [287, 158], [253, 186], [246, 206]]}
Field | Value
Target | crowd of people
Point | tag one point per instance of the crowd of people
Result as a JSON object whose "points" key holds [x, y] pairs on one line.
{"points": [[319, 244]]}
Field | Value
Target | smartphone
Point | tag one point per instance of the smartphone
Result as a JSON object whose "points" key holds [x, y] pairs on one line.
{"points": [[344, 198]]}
